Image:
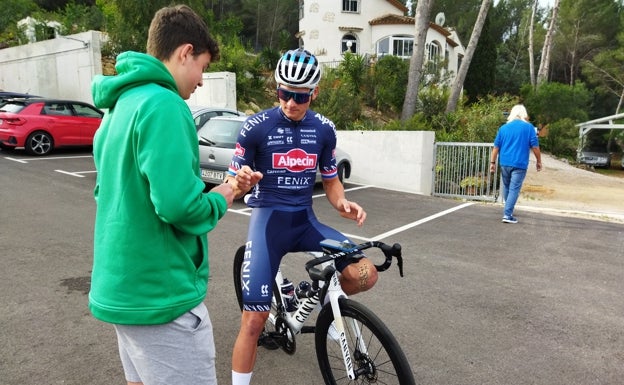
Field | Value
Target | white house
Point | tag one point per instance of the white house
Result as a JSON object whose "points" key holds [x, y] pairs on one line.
{"points": [[372, 28]]}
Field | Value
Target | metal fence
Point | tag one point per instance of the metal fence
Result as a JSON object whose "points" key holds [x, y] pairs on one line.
{"points": [[462, 170]]}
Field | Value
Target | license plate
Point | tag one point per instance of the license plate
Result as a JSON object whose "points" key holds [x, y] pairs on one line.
{"points": [[211, 174]]}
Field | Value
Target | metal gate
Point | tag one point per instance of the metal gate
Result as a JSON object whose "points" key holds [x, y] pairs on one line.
{"points": [[462, 170]]}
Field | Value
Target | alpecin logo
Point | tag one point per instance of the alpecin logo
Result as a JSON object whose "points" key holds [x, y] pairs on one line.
{"points": [[240, 150], [295, 160]]}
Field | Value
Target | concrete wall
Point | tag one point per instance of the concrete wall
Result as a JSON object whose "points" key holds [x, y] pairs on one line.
{"points": [[57, 68], [396, 160]]}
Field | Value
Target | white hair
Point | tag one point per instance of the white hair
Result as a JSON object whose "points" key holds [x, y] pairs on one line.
{"points": [[518, 112]]}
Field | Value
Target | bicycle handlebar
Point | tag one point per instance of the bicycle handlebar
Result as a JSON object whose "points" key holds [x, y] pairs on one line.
{"points": [[345, 251]]}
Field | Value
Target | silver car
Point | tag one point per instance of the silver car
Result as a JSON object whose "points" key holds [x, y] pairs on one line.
{"points": [[596, 158], [202, 114], [217, 141]]}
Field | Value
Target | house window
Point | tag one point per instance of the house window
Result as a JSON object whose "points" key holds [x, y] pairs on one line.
{"points": [[301, 6], [433, 56], [351, 6], [402, 46], [348, 43]]}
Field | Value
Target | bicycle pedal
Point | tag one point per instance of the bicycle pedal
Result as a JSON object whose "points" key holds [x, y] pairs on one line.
{"points": [[268, 342]]}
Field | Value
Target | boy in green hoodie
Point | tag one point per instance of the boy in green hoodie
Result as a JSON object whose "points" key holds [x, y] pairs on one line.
{"points": [[150, 268]]}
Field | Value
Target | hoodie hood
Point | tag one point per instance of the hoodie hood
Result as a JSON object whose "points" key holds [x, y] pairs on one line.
{"points": [[133, 69]]}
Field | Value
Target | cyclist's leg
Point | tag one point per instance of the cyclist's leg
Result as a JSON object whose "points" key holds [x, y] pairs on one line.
{"points": [[258, 273], [354, 277]]}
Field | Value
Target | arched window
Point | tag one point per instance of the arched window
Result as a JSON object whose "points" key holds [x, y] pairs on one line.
{"points": [[433, 56], [401, 46]]}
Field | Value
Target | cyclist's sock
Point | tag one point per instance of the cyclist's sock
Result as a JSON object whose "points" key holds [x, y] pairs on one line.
{"points": [[241, 378]]}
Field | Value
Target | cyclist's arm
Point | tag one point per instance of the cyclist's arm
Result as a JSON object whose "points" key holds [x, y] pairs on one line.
{"points": [[336, 196]]}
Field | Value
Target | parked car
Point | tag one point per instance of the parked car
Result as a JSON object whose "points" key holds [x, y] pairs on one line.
{"points": [[595, 157], [202, 114], [5, 95], [217, 141], [41, 125]]}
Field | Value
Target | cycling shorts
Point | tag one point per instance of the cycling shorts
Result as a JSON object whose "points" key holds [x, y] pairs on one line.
{"points": [[274, 232]]}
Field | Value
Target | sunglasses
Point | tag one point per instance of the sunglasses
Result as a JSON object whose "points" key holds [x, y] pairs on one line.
{"points": [[298, 97]]}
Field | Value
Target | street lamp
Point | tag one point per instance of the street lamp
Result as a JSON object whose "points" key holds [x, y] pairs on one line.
{"points": [[349, 44]]}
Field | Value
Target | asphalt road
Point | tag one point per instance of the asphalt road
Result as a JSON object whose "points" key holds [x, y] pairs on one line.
{"points": [[481, 302]]}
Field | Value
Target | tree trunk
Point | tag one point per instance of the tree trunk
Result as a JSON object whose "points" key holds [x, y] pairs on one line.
{"points": [[542, 73], [531, 51], [458, 84], [423, 9]]}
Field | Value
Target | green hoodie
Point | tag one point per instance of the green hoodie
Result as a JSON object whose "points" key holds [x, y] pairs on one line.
{"points": [[150, 245]]}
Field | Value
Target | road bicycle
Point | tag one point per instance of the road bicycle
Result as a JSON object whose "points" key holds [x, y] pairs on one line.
{"points": [[353, 345]]}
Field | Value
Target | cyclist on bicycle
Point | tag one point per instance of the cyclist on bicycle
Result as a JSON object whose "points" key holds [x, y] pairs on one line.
{"points": [[277, 154]]}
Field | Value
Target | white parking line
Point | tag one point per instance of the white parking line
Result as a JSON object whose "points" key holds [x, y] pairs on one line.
{"points": [[247, 211], [26, 160], [76, 174], [420, 222]]}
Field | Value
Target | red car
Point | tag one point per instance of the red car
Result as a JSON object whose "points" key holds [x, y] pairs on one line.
{"points": [[41, 125]]}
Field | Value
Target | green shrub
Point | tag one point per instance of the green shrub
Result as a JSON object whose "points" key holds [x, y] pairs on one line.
{"points": [[562, 139]]}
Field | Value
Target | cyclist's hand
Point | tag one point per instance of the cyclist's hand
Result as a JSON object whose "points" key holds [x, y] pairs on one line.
{"points": [[244, 180], [352, 210]]}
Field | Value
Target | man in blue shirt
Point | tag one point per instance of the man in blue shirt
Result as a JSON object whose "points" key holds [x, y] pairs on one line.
{"points": [[512, 144]]}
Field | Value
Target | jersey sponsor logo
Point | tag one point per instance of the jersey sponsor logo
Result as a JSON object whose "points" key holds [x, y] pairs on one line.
{"points": [[308, 141], [295, 160], [324, 120], [239, 151]]}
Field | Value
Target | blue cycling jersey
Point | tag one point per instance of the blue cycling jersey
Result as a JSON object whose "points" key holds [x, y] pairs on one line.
{"points": [[288, 153]]}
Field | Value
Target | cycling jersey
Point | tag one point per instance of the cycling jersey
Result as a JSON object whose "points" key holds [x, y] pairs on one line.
{"points": [[288, 153]]}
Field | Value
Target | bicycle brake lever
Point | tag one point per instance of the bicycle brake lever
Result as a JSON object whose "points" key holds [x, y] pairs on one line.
{"points": [[389, 252]]}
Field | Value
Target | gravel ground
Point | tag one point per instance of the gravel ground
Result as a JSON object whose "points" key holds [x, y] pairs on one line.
{"points": [[568, 190]]}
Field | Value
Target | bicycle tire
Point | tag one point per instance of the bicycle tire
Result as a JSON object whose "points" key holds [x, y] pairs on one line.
{"points": [[238, 265], [385, 362]]}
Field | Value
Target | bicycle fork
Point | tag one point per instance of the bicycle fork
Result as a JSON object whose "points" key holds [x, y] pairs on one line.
{"points": [[335, 293]]}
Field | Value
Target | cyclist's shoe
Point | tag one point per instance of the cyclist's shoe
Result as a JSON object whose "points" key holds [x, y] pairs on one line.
{"points": [[266, 341], [510, 219], [332, 333]]}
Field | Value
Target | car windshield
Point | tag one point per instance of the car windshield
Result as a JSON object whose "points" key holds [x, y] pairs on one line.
{"points": [[219, 133]]}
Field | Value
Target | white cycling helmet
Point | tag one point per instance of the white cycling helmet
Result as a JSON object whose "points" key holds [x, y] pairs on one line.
{"points": [[298, 68]]}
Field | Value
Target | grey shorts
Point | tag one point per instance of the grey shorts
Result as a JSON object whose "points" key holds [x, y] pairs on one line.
{"points": [[180, 352]]}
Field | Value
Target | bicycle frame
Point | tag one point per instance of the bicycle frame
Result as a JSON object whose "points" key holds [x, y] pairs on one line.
{"points": [[297, 319], [343, 328]]}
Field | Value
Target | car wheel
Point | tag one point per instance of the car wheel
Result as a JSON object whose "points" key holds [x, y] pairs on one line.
{"points": [[39, 143], [343, 171]]}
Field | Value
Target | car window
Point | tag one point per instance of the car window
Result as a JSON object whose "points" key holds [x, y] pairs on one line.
{"points": [[59, 109], [89, 112], [203, 118], [220, 133]]}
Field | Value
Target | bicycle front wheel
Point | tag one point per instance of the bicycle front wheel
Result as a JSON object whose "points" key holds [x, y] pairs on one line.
{"points": [[376, 355]]}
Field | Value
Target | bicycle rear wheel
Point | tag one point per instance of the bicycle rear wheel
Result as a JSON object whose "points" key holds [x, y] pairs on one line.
{"points": [[237, 271], [376, 355]]}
